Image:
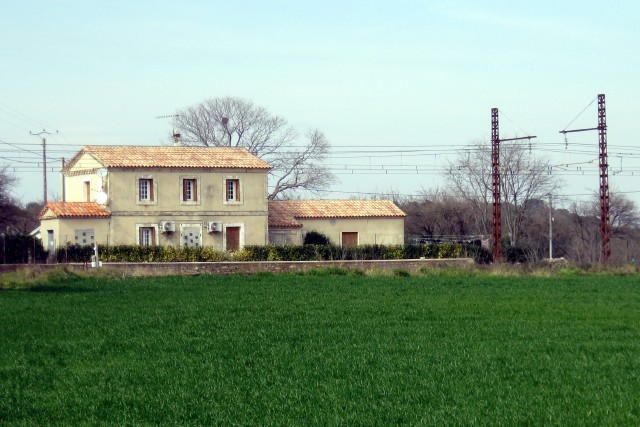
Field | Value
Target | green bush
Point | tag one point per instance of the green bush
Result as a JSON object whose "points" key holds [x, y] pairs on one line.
{"points": [[315, 238]]}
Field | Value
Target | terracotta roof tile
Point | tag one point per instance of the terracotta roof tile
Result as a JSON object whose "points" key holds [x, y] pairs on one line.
{"points": [[75, 210], [285, 213], [138, 156]]}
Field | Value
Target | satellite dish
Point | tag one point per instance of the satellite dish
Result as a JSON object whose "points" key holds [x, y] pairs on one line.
{"points": [[102, 172], [101, 198]]}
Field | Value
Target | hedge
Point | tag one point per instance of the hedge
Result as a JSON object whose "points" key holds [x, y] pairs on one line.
{"points": [[21, 250], [126, 253]]}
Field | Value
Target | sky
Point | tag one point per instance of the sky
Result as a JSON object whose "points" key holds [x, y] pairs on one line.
{"points": [[397, 87]]}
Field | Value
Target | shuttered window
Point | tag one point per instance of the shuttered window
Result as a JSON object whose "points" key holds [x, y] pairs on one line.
{"points": [[147, 236], [145, 187], [233, 190], [190, 190]]}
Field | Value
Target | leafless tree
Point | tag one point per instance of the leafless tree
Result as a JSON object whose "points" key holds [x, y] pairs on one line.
{"points": [[523, 178], [624, 220], [585, 245], [236, 122], [9, 206]]}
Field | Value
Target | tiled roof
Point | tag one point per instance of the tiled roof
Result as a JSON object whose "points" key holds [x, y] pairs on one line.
{"points": [[284, 213], [139, 156], [75, 210]]}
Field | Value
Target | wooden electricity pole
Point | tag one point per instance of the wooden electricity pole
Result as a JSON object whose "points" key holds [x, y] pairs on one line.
{"points": [[44, 162]]}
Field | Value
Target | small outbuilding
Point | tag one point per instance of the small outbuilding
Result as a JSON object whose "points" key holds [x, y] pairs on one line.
{"points": [[343, 222]]}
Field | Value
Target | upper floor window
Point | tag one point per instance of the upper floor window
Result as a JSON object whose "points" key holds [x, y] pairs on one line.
{"points": [[145, 187], [232, 190], [190, 190], [146, 190], [86, 190]]}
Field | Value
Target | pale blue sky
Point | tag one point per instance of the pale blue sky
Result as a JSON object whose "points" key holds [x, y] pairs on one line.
{"points": [[367, 73]]}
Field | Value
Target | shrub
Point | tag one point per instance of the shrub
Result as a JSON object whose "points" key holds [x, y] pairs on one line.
{"points": [[398, 272], [315, 238], [135, 253]]}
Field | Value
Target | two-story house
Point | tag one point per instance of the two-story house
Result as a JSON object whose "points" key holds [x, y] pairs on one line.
{"points": [[170, 196]]}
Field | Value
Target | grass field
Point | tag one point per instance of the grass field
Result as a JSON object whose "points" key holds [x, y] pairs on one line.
{"points": [[322, 349]]}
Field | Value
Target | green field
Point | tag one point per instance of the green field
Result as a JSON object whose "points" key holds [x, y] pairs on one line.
{"points": [[322, 349]]}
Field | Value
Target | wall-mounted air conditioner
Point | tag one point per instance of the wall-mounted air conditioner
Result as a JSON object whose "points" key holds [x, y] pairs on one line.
{"points": [[167, 226], [214, 227]]}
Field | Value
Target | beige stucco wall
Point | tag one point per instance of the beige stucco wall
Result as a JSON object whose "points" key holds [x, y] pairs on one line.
{"points": [[121, 186], [252, 229], [381, 231], [83, 170], [64, 230], [123, 230]]}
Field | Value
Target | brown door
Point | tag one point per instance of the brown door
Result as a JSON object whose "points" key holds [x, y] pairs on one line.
{"points": [[349, 238], [233, 238]]}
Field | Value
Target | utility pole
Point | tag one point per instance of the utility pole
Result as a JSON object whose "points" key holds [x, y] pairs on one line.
{"points": [[605, 232], [495, 176], [44, 162], [550, 229], [62, 183]]}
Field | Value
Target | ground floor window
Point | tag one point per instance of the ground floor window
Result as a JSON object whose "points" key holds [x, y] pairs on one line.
{"points": [[147, 236]]}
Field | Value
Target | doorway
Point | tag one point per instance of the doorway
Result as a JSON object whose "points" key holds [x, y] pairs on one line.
{"points": [[233, 238], [349, 239]]}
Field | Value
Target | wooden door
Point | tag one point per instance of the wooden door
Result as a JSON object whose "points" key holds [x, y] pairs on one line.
{"points": [[349, 238], [233, 238]]}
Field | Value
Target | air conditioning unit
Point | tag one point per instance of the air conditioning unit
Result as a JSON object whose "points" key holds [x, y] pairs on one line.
{"points": [[167, 226], [214, 226]]}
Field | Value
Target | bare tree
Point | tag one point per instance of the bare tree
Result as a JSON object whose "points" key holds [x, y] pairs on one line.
{"points": [[237, 122], [523, 177], [470, 178], [9, 206], [585, 245]]}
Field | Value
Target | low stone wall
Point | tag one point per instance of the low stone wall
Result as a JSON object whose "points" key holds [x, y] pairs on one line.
{"points": [[244, 267]]}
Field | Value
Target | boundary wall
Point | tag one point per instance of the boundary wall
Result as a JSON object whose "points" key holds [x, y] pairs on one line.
{"points": [[143, 269]]}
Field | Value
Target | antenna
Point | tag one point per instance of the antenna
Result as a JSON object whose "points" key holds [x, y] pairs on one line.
{"points": [[176, 135]]}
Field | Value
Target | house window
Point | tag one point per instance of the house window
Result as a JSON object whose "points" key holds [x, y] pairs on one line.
{"points": [[232, 190], [189, 190], [145, 187], [146, 236], [86, 191], [147, 190]]}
